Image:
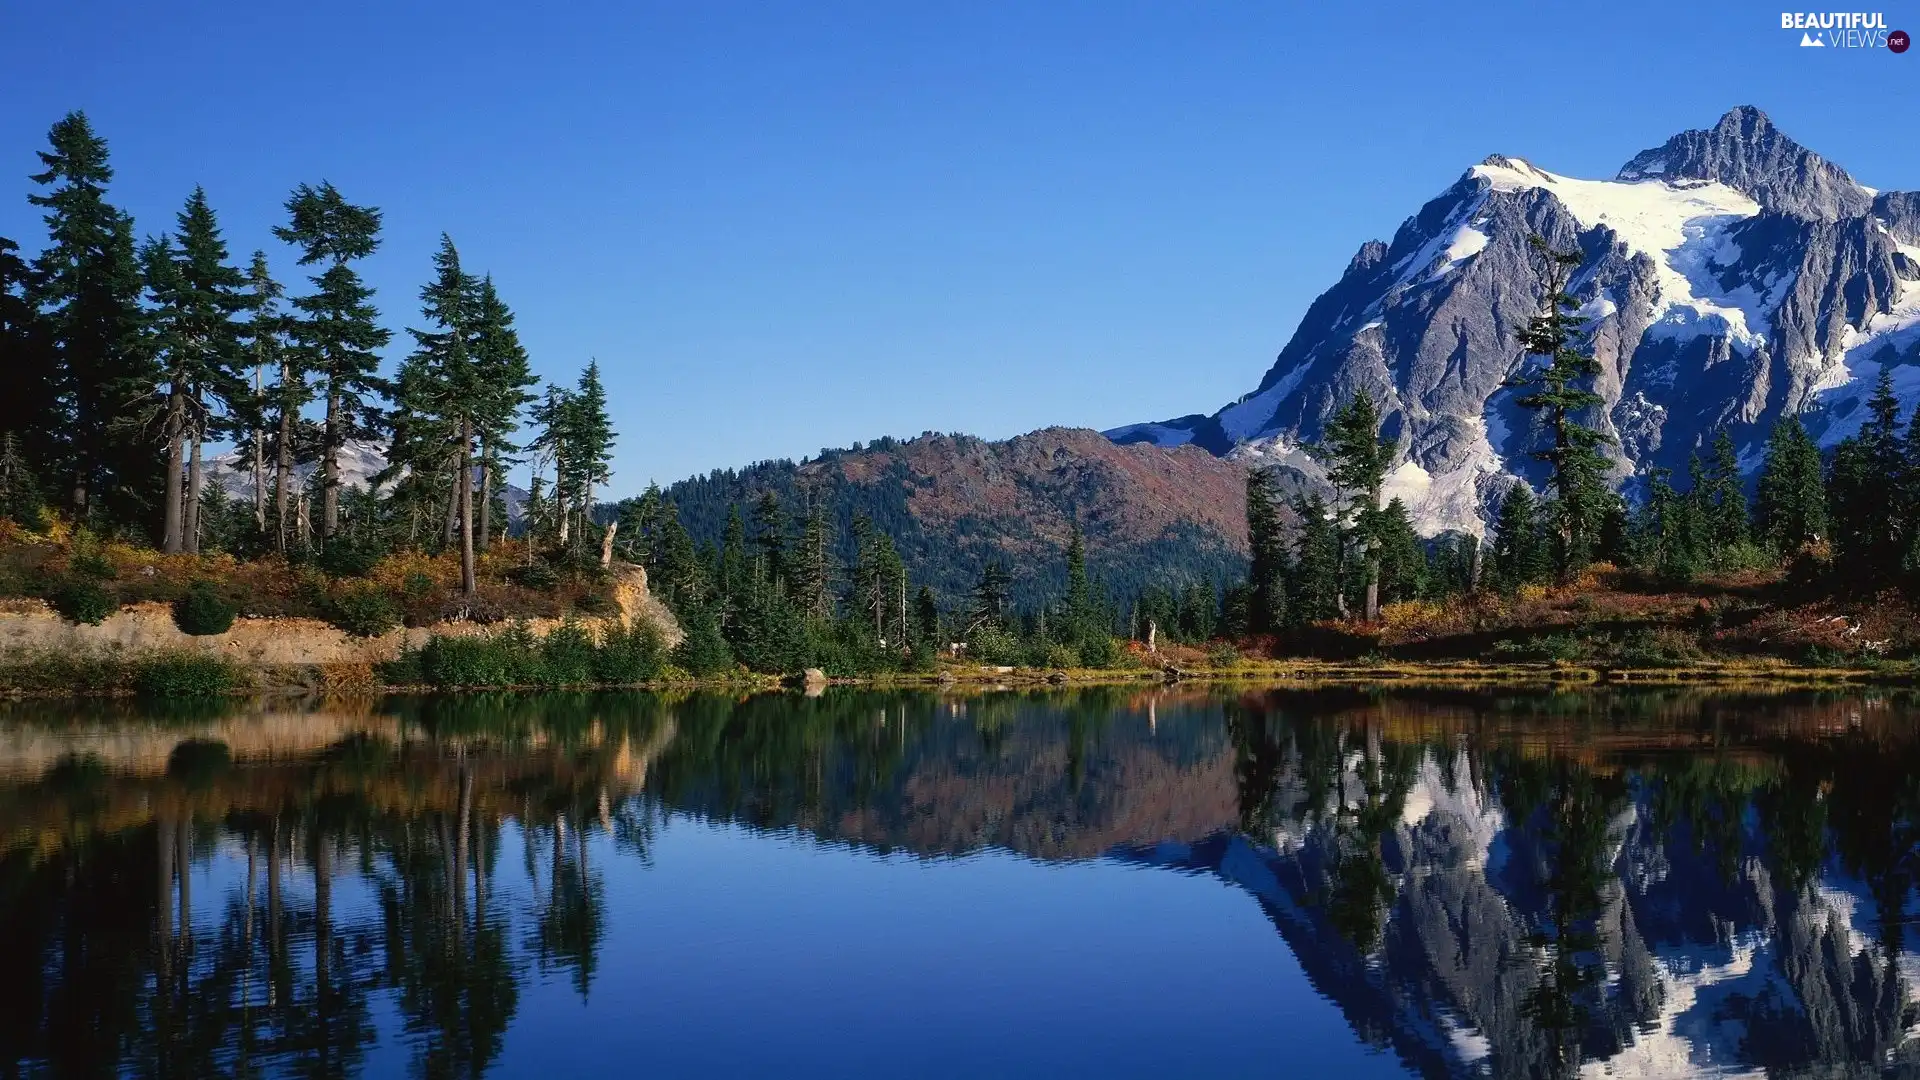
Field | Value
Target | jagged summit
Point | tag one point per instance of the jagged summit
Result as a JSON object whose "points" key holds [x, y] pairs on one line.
{"points": [[1746, 152], [1731, 276]]}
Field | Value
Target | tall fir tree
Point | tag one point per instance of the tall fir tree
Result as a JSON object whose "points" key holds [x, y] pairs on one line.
{"points": [[87, 283], [1517, 556], [1267, 567], [506, 378], [1725, 497], [1864, 487], [337, 333], [1357, 459], [1790, 498], [1313, 592], [29, 387], [1559, 391], [279, 403], [195, 297]]}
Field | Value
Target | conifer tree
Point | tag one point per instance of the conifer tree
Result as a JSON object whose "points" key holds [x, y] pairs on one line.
{"points": [[1516, 556], [1400, 560], [336, 334], [589, 440], [1725, 497], [442, 398], [1864, 487], [87, 283], [1358, 459], [770, 541], [1267, 570], [1313, 591], [989, 601], [196, 296], [1080, 612], [1790, 503], [266, 351], [812, 565], [505, 379], [29, 386], [1558, 391]]}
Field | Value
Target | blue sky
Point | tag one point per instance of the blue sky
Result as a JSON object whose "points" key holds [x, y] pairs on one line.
{"points": [[782, 226]]}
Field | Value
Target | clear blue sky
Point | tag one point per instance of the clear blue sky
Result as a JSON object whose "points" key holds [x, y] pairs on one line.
{"points": [[782, 226]]}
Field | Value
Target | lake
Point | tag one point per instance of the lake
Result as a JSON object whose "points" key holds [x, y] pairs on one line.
{"points": [[1107, 882]]}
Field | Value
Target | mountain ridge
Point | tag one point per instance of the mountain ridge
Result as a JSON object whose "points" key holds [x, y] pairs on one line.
{"points": [[1731, 275]]}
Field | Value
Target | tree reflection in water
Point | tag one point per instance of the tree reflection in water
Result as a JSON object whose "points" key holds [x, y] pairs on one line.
{"points": [[1507, 884]]}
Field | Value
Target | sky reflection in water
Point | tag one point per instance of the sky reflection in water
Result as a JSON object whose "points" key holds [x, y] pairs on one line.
{"points": [[1099, 883]]}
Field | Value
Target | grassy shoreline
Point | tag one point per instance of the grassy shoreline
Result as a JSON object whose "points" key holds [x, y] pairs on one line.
{"points": [[177, 675]]}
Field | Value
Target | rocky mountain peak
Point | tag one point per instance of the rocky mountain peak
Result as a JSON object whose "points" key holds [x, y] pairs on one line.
{"points": [[1746, 152]]}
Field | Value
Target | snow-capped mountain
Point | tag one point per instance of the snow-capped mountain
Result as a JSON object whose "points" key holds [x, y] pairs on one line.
{"points": [[1731, 275], [360, 461]]}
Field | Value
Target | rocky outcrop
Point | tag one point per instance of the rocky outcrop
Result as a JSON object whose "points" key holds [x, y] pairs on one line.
{"points": [[29, 626]]}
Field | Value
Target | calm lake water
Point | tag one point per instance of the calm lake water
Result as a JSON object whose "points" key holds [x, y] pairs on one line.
{"points": [[1102, 883]]}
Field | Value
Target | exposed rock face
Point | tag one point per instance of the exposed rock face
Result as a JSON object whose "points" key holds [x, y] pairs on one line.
{"points": [[1730, 276]]}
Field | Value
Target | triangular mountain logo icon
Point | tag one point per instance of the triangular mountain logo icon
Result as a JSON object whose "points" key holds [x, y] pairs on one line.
{"points": [[1808, 41]]}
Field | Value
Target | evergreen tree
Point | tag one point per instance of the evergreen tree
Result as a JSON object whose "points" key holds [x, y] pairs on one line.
{"points": [[195, 296], [1358, 459], [1267, 572], [266, 352], [770, 541], [926, 618], [442, 400], [589, 440], [1557, 393], [1400, 559], [29, 388], [505, 379], [989, 602], [1864, 487], [1314, 586], [812, 565], [1081, 618], [337, 334], [87, 283], [1517, 557], [1725, 497]]}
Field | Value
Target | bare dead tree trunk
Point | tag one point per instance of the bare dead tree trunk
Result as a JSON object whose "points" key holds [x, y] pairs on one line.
{"points": [[606, 544], [1473, 573]]}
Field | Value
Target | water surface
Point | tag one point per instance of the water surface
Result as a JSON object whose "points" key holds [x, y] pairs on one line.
{"points": [[1116, 883]]}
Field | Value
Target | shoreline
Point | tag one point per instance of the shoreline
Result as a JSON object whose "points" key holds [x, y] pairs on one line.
{"points": [[323, 680]]}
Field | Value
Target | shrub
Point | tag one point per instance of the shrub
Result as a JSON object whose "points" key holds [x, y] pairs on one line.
{"points": [[1223, 655], [567, 656], [84, 601], [595, 603], [88, 562], [364, 611], [629, 654], [1100, 652], [467, 661], [1560, 648], [535, 576], [992, 645], [703, 651], [1057, 656], [345, 557], [186, 675], [202, 611]]}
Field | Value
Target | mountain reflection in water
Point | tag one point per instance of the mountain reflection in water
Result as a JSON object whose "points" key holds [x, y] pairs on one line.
{"points": [[1503, 884]]}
